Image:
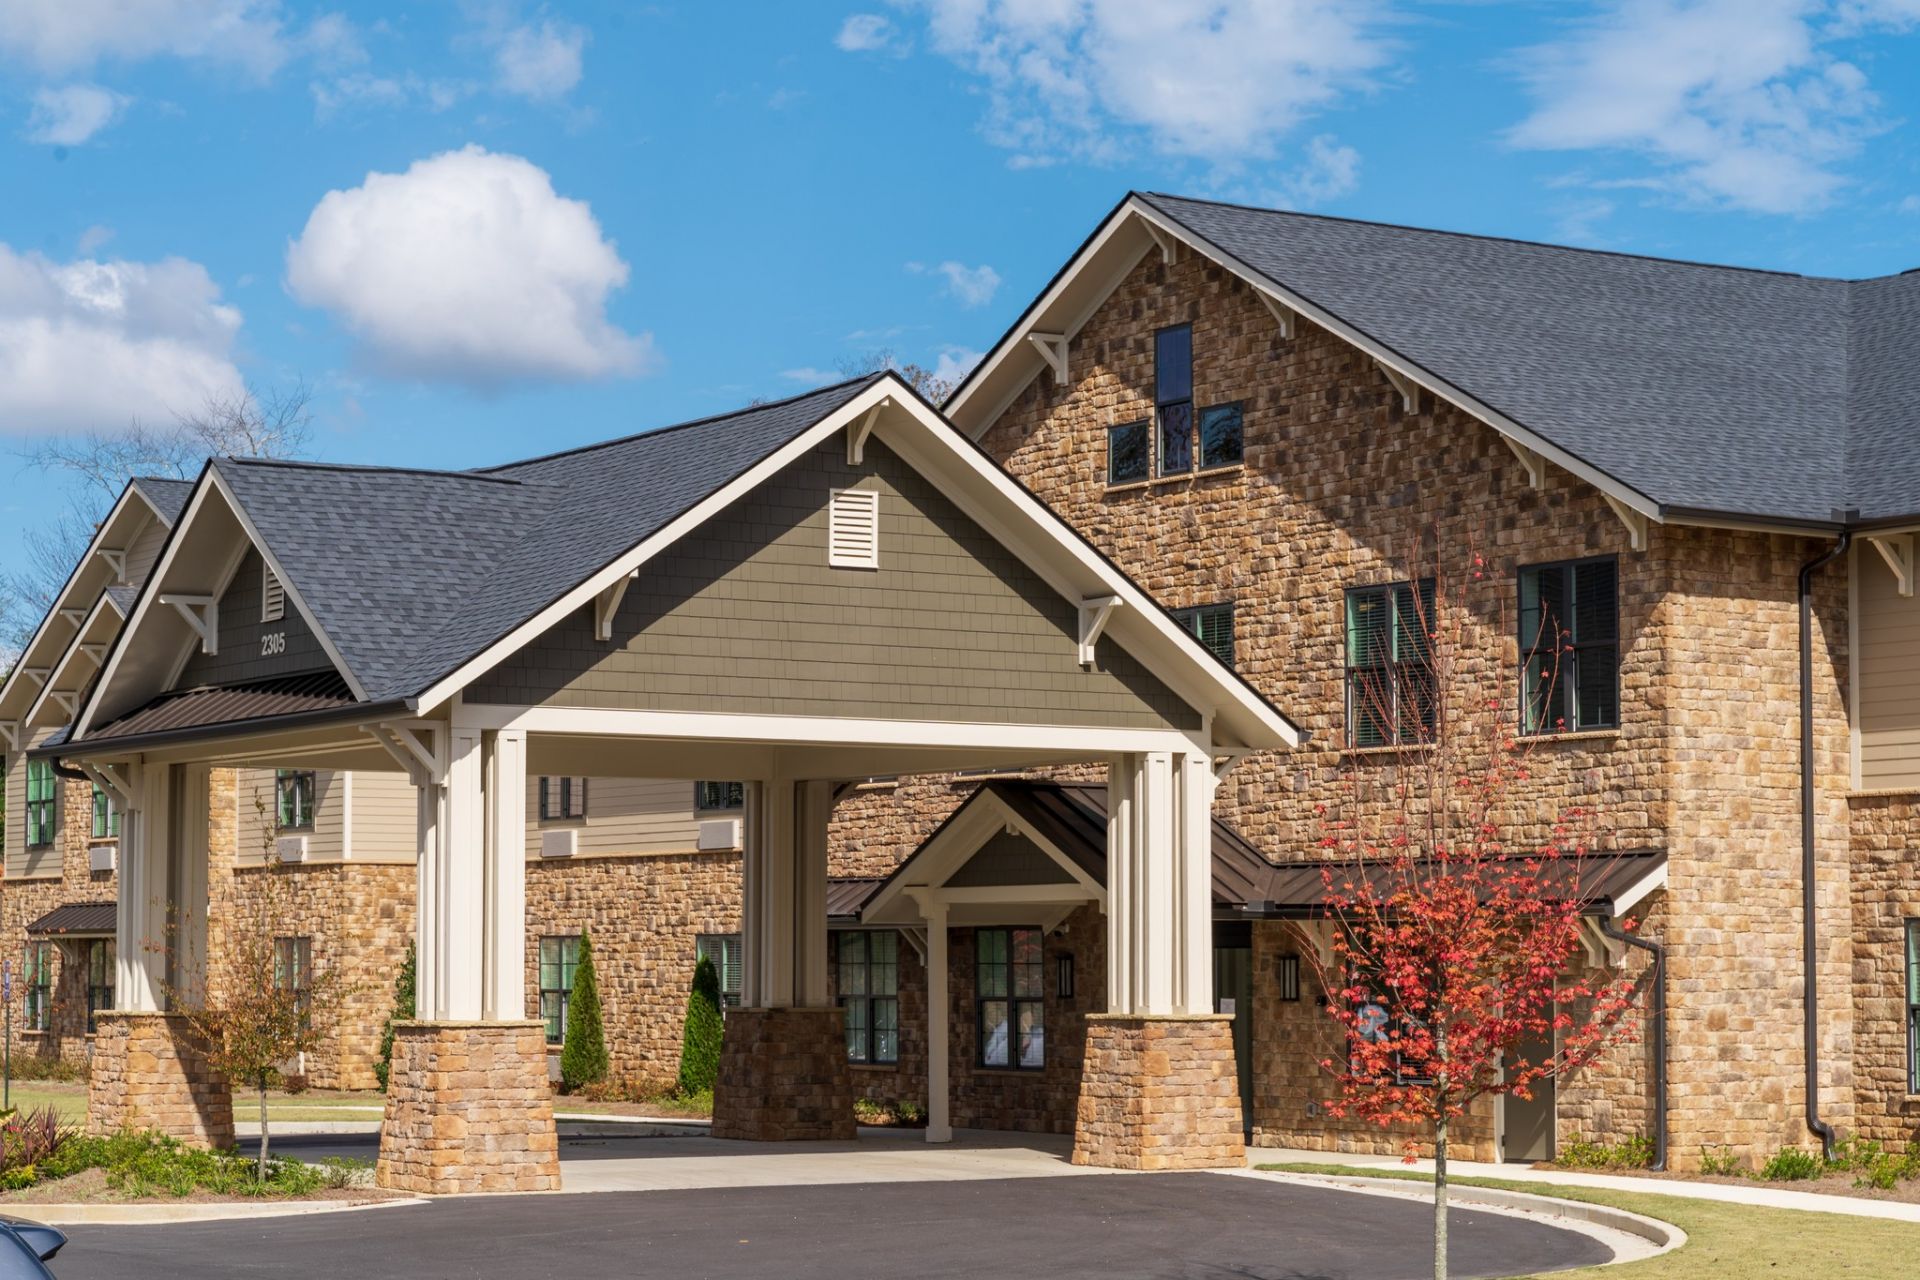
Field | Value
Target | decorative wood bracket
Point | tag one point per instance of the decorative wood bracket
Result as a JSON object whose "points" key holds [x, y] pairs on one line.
{"points": [[112, 779], [37, 674], [1602, 952], [606, 605], [98, 652], [1635, 521], [916, 936], [1094, 612], [1409, 389], [1282, 313], [1535, 464], [1053, 349], [202, 614], [418, 747], [75, 616], [10, 730], [1224, 762], [1169, 246], [857, 433], [1897, 550], [69, 702], [117, 561]]}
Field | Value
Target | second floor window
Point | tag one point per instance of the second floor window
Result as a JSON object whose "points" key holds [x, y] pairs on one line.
{"points": [[42, 803], [1129, 453], [106, 815], [1212, 625], [293, 799], [563, 798], [559, 957], [100, 967], [37, 979], [718, 797], [723, 949], [868, 989], [1570, 643], [1173, 397], [1390, 684]]}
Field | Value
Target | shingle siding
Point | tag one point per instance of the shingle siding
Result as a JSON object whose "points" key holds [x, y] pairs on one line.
{"points": [[240, 657]]}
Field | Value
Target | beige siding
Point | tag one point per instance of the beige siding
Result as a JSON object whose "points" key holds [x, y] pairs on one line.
{"points": [[22, 861], [256, 827], [1887, 713], [625, 815], [386, 817]]}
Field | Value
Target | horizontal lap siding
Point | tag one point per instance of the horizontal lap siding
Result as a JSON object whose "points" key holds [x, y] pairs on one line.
{"points": [[624, 815], [1888, 711], [259, 832], [746, 616], [386, 818], [22, 861]]}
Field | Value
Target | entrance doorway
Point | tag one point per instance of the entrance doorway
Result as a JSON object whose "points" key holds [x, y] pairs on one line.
{"points": [[1233, 991], [1527, 1123]]}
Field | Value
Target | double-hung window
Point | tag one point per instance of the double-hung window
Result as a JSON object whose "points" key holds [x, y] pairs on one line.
{"points": [[42, 806], [563, 799], [293, 970], [1390, 685], [38, 981], [559, 957], [1913, 1006], [106, 814], [718, 797], [293, 799], [869, 992], [1212, 626], [1570, 643], [1010, 983], [724, 950], [1173, 397], [99, 978]]}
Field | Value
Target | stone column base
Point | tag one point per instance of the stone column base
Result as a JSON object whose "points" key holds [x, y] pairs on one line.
{"points": [[784, 1077], [469, 1109], [1159, 1092], [150, 1071]]}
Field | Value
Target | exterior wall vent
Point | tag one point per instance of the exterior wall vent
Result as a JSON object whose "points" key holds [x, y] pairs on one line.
{"points": [[291, 848], [559, 844], [853, 529], [719, 834], [273, 596], [103, 857]]}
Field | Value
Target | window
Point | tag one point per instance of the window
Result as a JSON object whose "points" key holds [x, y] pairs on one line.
{"points": [[715, 797], [724, 950], [559, 956], [106, 815], [41, 808], [293, 969], [869, 991], [1570, 642], [1173, 397], [1212, 625], [1913, 1006], [1374, 1024], [293, 799], [38, 980], [1390, 686], [1129, 453], [1013, 1028], [99, 978], [1220, 436], [853, 529], [273, 596], [563, 799]]}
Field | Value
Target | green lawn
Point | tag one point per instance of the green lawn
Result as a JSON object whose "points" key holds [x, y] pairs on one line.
{"points": [[1724, 1241], [70, 1100]]}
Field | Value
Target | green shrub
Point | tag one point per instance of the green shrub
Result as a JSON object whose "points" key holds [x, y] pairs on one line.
{"points": [[583, 1057], [403, 1009], [28, 1066], [1720, 1164], [1887, 1172], [1855, 1155], [1793, 1165], [700, 1041], [1577, 1153], [152, 1165]]}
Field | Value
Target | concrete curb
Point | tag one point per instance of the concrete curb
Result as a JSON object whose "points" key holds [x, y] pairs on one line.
{"points": [[154, 1215], [1660, 1237]]}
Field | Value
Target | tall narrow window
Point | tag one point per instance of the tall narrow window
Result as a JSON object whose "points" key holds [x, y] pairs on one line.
{"points": [[273, 596], [100, 968], [293, 799], [1913, 1006], [559, 956], [868, 977], [1390, 685], [1570, 643], [1010, 983], [1129, 453], [1212, 625], [106, 814], [718, 797], [38, 981], [293, 970], [42, 808], [1173, 397], [724, 950], [563, 799]]}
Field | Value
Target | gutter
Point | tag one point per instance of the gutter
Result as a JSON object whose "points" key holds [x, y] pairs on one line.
{"points": [[1810, 928], [1658, 951], [90, 747]]}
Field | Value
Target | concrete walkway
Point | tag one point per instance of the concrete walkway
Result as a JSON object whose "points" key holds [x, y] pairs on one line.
{"points": [[1761, 1194]]}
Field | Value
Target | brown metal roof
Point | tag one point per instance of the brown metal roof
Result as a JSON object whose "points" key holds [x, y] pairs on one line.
{"points": [[1299, 889], [77, 919], [847, 894], [197, 708]]}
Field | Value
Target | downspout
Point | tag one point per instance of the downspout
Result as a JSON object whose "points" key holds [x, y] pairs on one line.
{"points": [[1810, 929], [1657, 950]]}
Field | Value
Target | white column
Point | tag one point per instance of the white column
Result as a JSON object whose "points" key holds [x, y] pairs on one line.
{"points": [[462, 881], [1194, 786], [185, 906], [813, 812], [1120, 887], [428, 966], [1159, 884], [505, 992], [939, 1015], [142, 876], [1156, 884], [783, 934]]}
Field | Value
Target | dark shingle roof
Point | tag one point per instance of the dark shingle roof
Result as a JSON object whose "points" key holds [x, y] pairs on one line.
{"points": [[168, 497], [1703, 387]]}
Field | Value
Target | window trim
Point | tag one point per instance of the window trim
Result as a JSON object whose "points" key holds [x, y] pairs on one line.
{"points": [[1012, 1001], [37, 986], [1912, 966], [699, 798], [702, 942], [1161, 405], [556, 1032], [42, 814], [1395, 734], [99, 994], [870, 1057], [1145, 427], [1189, 618], [293, 969], [105, 815], [281, 777], [1563, 685], [1201, 463], [566, 793]]}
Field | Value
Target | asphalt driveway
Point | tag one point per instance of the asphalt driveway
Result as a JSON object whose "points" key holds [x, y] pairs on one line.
{"points": [[1148, 1225]]}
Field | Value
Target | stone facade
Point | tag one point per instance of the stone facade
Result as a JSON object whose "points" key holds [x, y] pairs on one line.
{"points": [[1886, 894], [1159, 1093], [150, 1073], [784, 1077], [469, 1109]]}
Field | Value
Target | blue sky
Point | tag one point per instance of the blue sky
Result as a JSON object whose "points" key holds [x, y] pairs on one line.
{"points": [[480, 231]]}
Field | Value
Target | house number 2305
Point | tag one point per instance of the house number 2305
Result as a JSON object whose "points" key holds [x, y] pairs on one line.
{"points": [[273, 642]]}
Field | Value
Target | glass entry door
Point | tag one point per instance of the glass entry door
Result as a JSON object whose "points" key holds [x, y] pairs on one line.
{"points": [[1233, 991]]}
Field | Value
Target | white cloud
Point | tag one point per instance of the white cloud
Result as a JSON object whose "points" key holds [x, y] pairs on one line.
{"points": [[93, 237], [865, 33], [59, 36], [88, 344], [956, 363], [1219, 80], [970, 286], [811, 376], [468, 267], [540, 62], [1910, 204], [71, 114], [1331, 169], [1731, 103]]}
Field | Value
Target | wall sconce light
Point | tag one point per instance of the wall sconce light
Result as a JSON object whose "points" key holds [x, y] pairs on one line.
{"points": [[1063, 977], [1289, 978]]}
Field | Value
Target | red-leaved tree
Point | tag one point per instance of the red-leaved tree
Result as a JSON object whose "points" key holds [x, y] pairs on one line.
{"points": [[1454, 895]]}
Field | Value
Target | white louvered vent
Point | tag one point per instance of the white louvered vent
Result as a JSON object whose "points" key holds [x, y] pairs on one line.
{"points": [[273, 596], [853, 529]]}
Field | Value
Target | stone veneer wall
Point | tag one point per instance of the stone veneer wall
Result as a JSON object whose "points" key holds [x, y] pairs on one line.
{"points": [[906, 1079], [23, 901], [783, 1077], [644, 913], [1886, 894], [469, 1109], [1160, 1093], [150, 1073]]}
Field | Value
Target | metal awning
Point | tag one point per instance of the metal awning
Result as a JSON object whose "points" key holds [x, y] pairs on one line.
{"points": [[1614, 881], [77, 920]]}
